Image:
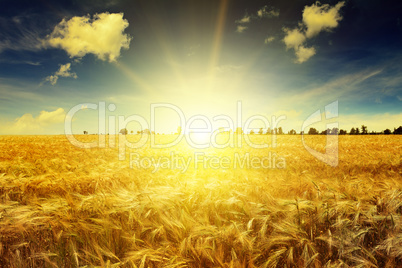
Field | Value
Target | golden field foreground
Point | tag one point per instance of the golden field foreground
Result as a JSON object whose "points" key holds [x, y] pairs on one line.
{"points": [[63, 206]]}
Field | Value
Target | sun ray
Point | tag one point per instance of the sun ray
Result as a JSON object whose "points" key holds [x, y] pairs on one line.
{"points": [[159, 28], [216, 48], [144, 86]]}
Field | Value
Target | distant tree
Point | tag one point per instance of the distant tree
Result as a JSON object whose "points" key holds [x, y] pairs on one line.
{"points": [[292, 132], [387, 131], [357, 131], [324, 132], [146, 131], [123, 131], [260, 131], [335, 131], [353, 131], [275, 131], [342, 132], [132, 131], [364, 130], [280, 131], [252, 132], [312, 131], [268, 131], [139, 132], [398, 131], [85, 132], [239, 130]]}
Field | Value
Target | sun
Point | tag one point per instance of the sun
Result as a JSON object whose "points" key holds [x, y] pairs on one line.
{"points": [[199, 140]]}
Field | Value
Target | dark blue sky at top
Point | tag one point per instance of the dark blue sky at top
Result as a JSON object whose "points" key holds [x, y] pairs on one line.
{"points": [[369, 30], [367, 39]]}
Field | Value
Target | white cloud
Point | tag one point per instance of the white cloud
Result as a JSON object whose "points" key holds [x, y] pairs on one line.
{"points": [[28, 124], [294, 38], [265, 12], [241, 28], [304, 53], [102, 36], [261, 13], [316, 18], [64, 71], [245, 19], [321, 18], [53, 117], [269, 40]]}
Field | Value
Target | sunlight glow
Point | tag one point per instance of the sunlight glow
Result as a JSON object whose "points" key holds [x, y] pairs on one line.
{"points": [[135, 78], [200, 137]]}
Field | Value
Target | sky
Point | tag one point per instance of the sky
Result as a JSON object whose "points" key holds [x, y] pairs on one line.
{"points": [[164, 63]]}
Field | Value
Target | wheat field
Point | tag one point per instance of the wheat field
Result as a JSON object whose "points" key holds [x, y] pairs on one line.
{"points": [[64, 206]]}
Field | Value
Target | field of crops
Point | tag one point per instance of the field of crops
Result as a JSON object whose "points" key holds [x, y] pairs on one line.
{"points": [[64, 206]]}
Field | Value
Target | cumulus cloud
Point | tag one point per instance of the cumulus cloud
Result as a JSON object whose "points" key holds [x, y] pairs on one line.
{"points": [[64, 71], [102, 36], [267, 12], [316, 18], [264, 12], [245, 19], [45, 117], [294, 38], [321, 18], [36, 125], [241, 28], [304, 53], [269, 40]]}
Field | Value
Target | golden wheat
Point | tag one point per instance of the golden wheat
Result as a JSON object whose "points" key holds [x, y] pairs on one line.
{"points": [[62, 206]]}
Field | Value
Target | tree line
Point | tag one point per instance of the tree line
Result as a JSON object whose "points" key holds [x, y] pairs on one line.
{"points": [[363, 130]]}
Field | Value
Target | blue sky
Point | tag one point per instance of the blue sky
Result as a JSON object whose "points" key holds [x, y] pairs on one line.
{"points": [[275, 57]]}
